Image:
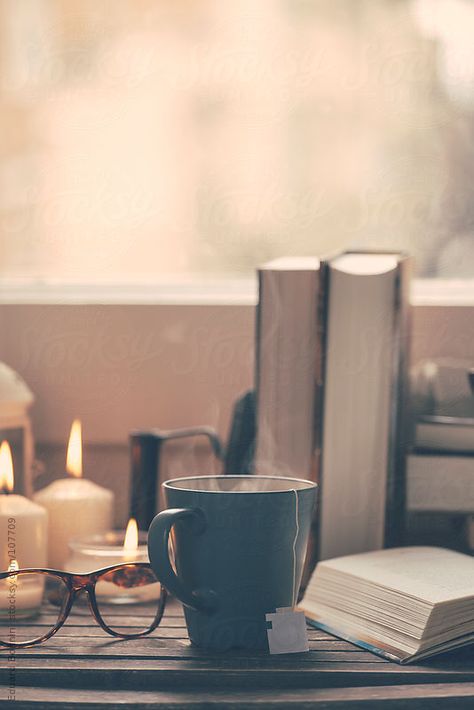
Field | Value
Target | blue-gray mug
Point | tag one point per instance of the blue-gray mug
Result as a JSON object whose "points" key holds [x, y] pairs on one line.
{"points": [[239, 546]]}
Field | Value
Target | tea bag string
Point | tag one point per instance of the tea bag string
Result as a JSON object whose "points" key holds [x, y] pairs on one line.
{"points": [[297, 529], [286, 631]]}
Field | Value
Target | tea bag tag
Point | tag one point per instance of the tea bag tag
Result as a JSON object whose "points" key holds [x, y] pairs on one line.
{"points": [[288, 631]]}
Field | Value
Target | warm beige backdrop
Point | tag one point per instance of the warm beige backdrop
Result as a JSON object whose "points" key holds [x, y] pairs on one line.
{"points": [[125, 367]]}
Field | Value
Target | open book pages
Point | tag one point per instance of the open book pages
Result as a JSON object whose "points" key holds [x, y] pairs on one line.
{"points": [[403, 603]]}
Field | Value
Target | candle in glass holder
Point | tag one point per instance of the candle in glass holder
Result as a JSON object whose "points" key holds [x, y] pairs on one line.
{"points": [[75, 505], [94, 552]]}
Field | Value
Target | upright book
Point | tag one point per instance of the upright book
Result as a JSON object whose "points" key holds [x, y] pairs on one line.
{"points": [[363, 443], [331, 379], [405, 603], [289, 366]]}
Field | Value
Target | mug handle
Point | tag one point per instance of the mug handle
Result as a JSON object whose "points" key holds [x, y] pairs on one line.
{"points": [[158, 551]]}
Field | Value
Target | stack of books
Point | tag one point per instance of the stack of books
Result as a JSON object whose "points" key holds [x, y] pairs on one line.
{"points": [[332, 344], [440, 464]]}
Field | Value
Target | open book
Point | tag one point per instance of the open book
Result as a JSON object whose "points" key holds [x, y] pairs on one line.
{"points": [[404, 603]]}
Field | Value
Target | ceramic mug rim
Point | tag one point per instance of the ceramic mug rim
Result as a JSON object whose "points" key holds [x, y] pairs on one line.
{"points": [[306, 485]]}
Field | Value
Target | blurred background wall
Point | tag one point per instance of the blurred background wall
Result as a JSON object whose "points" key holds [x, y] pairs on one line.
{"points": [[146, 139]]}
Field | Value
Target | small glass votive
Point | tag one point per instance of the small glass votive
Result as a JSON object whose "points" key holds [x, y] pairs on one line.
{"points": [[103, 550], [21, 599]]}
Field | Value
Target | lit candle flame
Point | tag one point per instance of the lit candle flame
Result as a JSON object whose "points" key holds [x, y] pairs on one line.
{"points": [[74, 450], [6, 467], [130, 545]]}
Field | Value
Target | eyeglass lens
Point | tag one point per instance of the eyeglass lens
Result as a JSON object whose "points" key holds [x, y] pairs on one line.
{"points": [[128, 599], [30, 605]]}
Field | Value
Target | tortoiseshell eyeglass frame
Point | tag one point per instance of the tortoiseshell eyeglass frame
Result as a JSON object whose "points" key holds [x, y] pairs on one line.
{"points": [[135, 575]]}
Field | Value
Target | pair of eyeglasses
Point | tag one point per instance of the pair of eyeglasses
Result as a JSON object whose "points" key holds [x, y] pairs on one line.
{"points": [[35, 603]]}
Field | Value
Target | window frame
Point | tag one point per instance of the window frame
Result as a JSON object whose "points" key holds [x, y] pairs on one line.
{"points": [[197, 292]]}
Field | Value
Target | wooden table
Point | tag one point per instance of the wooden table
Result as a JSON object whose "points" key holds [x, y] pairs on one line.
{"points": [[82, 667]]}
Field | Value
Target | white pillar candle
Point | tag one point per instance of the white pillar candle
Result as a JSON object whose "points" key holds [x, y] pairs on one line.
{"points": [[23, 536], [76, 506]]}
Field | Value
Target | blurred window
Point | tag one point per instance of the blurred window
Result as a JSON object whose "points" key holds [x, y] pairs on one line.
{"points": [[149, 139]]}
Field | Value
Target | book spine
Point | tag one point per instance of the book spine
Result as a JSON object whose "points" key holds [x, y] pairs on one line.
{"points": [[312, 553], [395, 513], [320, 368], [440, 483], [258, 362]]}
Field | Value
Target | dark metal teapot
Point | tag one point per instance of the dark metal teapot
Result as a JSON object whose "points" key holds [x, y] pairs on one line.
{"points": [[146, 448]]}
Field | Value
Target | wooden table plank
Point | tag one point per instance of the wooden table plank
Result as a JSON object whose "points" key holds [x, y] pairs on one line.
{"points": [[419, 697], [165, 670], [181, 648], [126, 674], [170, 647], [71, 631], [186, 653]]}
